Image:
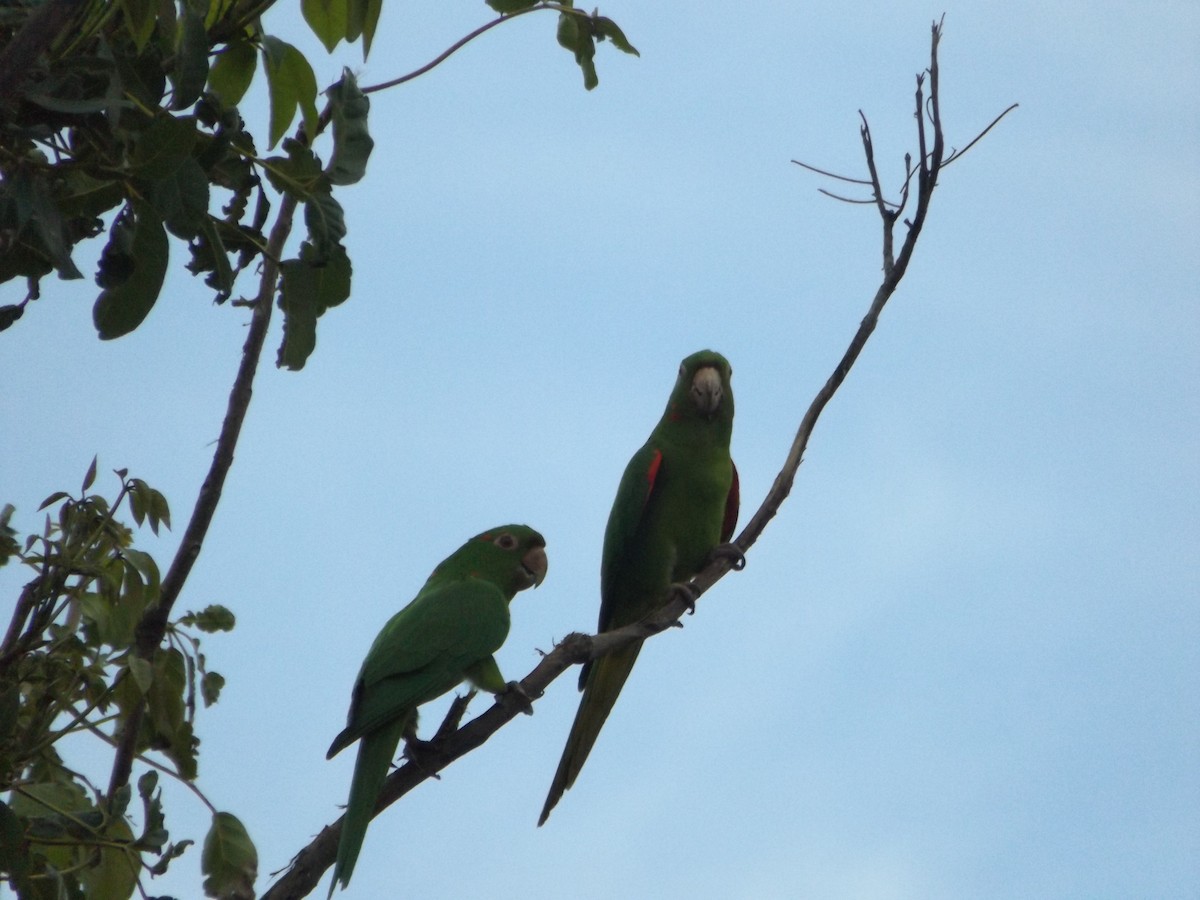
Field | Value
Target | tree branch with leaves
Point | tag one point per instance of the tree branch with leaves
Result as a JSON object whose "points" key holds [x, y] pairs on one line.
{"points": [[122, 119]]}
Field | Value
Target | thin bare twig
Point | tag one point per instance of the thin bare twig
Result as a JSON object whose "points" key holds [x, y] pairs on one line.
{"points": [[957, 154], [833, 174], [855, 200], [463, 41], [308, 866]]}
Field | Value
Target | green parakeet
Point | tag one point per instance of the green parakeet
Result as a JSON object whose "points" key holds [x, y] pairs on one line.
{"points": [[677, 501], [447, 633]]}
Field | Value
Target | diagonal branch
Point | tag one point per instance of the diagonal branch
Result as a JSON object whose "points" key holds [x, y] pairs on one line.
{"points": [[153, 625], [308, 866]]}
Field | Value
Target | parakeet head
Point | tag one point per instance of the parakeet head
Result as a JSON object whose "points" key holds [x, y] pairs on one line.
{"points": [[513, 556], [703, 389]]}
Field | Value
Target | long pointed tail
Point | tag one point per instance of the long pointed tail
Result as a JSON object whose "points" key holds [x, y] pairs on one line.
{"points": [[604, 682], [375, 753]]}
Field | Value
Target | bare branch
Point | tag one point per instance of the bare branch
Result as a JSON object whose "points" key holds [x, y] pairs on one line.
{"points": [[833, 174], [887, 215], [845, 199], [448, 745], [153, 624], [955, 154], [463, 41]]}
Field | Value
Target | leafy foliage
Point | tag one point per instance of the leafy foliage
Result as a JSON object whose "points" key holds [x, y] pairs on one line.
{"points": [[124, 127], [69, 665], [122, 119]]}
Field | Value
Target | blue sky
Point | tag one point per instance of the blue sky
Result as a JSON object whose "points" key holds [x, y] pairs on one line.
{"points": [[963, 661]]}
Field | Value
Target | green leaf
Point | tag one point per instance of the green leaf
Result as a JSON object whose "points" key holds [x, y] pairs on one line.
{"points": [[89, 477], [191, 58], [142, 672], [363, 19], [137, 500], [326, 224], [161, 149], [168, 728], [212, 618], [83, 195], [173, 851], [121, 309], [507, 7], [352, 144], [299, 173], [116, 259], [154, 829], [229, 860], [231, 73], [114, 873], [290, 83], [574, 33], [143, 78], [145, 565], [209, 255], [140, 17], [210, 687], [14, 853], [217, 10], [159, 511], [40, 219], [307, 291], [53, 498], [607, 28], [52, 811], [146, 785], [72, 106], [327, 19], [181, 199]]}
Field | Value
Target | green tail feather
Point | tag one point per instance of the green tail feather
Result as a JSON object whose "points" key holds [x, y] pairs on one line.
{"points": [[375, 753], [604, 682]]}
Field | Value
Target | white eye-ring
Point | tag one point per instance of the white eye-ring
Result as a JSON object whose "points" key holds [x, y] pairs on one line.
{"points": [[682, 370], [506, 541]]}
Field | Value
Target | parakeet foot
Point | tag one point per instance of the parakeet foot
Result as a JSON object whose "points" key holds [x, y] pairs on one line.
{"points": [[420, 753], [731, 552], [513, 688], [688, 593]]}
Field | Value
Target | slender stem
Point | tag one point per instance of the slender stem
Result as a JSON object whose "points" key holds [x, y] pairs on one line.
{"points": [[463, 41], [153, 625]]}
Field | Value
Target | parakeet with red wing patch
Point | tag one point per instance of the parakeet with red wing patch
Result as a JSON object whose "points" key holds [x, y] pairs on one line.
{"points": [[677, 503]]}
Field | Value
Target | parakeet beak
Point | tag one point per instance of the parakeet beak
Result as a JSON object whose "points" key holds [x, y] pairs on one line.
{"points": [[534, 563], [706, 390]]}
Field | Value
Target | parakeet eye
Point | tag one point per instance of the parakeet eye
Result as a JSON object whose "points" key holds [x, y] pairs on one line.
{"points": [[506, 542], [682, 370]]}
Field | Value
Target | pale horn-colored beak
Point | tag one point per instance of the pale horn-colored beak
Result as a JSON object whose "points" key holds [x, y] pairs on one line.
{"points": [[535, 563], [706, 390]]}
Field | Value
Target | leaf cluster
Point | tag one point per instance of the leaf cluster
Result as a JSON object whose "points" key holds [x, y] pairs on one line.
{"points": [[122, 120], [578, 32], [68, 667], [127, 126]]}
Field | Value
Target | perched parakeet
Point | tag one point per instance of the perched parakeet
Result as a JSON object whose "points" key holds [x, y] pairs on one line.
{"points": [[446, 634], [677, 501]]}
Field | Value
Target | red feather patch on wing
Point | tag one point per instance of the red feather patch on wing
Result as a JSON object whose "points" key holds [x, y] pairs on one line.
{"points": [[652, 471], [732, 502]]}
